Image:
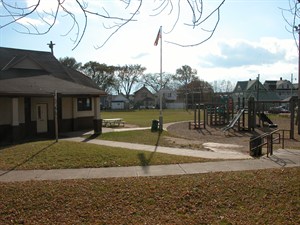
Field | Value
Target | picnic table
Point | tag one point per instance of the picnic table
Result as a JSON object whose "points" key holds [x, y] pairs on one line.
{"points": [[113, 122]]}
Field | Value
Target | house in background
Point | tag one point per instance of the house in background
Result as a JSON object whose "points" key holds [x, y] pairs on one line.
{"points": [[28, 83], [143, 98], [282, 88], [252, 88], [169, 99], [119, 102]]}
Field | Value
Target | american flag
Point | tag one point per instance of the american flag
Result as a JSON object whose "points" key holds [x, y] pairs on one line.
{"points": [[157, 37]]}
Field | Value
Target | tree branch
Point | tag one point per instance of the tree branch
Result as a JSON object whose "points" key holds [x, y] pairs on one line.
{"points": [[15, 13]]}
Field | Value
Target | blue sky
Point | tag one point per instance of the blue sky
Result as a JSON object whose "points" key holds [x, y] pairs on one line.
{"points": [[251, 39]]}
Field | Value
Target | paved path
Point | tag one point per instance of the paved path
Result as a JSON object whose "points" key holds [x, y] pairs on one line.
{"points": [[241, 162], [168, 150], [280, 159]]}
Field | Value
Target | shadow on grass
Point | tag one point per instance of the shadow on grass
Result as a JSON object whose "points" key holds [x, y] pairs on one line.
{"points": [[91, 137], [145, 161], [28, 159]]}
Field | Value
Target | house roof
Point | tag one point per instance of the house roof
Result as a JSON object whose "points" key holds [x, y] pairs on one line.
{"points": [[277, 83], [26, 72], [43, 85], [142, 89], [119, 98], [244, 85]]}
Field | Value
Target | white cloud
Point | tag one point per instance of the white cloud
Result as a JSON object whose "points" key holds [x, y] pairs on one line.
{"points": [[235, 60], [234, 53], [26, 21], [237, 53], [43, 6]]}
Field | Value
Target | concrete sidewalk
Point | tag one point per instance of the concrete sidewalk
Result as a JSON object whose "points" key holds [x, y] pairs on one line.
{"points": [[280, 159], [167, 150]]}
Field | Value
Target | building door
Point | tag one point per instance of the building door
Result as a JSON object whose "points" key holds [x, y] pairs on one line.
{"points": [[42, 118]]}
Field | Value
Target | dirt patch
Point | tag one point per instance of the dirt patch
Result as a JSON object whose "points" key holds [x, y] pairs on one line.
{"points": [[213, 138], [198, 139]]}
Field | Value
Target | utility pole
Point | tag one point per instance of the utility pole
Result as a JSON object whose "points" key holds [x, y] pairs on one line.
{"points": [[297, 29], [161, 90], [292, 86], [257, 94], [257, 109]]}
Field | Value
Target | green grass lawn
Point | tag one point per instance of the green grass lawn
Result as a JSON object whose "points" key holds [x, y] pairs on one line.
{"points": [[65, 154], [143, 118], [137, 136]]}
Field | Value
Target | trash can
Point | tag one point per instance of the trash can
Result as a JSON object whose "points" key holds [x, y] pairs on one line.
{"points": [[154, 126], [255, 146]]}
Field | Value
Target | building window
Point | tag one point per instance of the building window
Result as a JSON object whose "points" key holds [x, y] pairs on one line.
{"points": [[84, 104]]}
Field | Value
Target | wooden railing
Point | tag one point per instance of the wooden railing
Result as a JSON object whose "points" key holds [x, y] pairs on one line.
{"points": [[268, 139]]}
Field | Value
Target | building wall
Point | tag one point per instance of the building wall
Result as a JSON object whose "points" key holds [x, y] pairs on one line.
{"points": [[117, 105], [42, 100], [142, 94], [67, 111], [13, 126], [5, 111], [175, 105], [12, 118]]}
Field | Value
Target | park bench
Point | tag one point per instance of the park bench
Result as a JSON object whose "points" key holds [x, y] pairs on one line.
{"points": [[113, 122]]}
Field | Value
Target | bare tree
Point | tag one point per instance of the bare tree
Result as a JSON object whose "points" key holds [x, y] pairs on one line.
{"points": [[78, 13], [185, 75], [152, 80], [291, 16], [200, 91], [128, 76], [222, 86]]}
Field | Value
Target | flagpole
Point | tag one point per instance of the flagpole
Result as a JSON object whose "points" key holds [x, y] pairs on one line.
{"points": [[160, 97]]}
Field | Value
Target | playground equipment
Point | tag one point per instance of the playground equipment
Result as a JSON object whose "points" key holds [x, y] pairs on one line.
{"points": [[214, 114], [234, 120], [220, 113], [240, 117], [246, 119], [265, 119], [198, 123], [260, 106], [266, 139]]}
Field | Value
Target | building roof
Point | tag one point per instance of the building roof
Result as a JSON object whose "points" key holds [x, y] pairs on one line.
{"points": [[143, 89], [277, 83], [26, 72], [244, 85], [119, 98]]}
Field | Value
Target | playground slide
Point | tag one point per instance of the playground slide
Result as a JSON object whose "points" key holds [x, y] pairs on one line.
{"points": [[265, 119], [234, 120]]}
